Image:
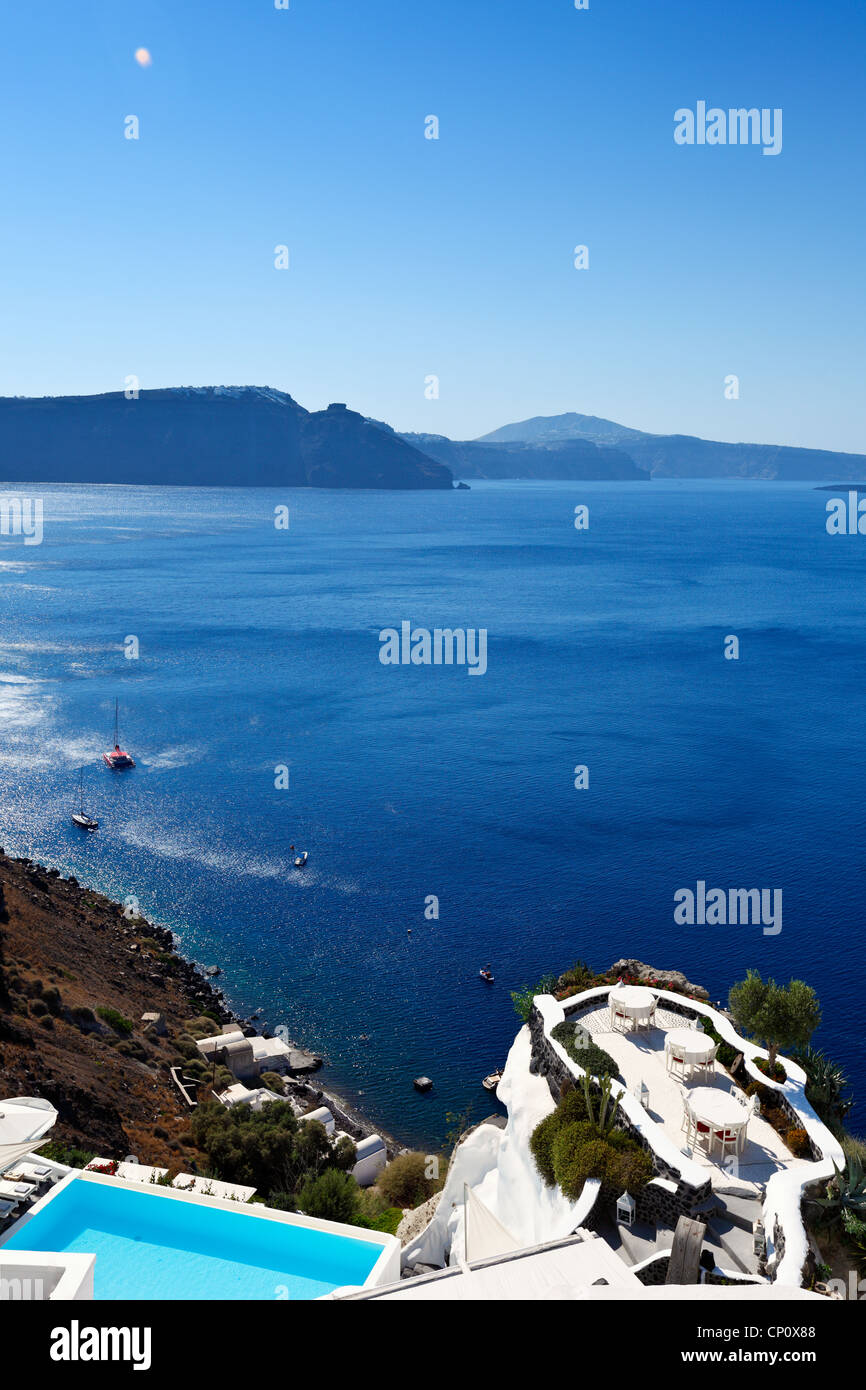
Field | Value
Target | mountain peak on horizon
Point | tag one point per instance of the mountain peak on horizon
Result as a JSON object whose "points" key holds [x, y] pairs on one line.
{"points": [[680, 455], [551, 429]]}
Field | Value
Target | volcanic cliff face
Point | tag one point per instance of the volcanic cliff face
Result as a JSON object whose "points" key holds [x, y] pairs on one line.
{"points": [[207, 436], [338, 445]]}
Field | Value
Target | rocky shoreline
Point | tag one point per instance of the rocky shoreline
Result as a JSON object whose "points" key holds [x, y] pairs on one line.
{"points": [[77, 974]]}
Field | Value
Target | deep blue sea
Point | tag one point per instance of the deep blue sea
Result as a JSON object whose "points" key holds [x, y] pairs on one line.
{"points": [[259, 648]]}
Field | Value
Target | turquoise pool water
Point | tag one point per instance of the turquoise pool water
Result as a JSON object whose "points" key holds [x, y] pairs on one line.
{"points": [[150, 1247]]}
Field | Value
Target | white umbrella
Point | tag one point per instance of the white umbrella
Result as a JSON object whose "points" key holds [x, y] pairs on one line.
{"points": [[23, 1122], [483, 1233]]}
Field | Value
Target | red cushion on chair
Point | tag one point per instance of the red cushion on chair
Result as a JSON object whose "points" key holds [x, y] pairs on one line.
{"points": [[703, 1129]]}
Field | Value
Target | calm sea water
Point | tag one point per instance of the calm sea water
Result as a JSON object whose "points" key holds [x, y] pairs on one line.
{"points": [[260, 647]]}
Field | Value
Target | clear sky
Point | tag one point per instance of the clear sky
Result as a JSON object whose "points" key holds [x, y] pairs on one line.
{"points": [[412, 257]]}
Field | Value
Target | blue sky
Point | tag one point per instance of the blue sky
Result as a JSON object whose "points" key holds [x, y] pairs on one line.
{"points": [[413, 257]]}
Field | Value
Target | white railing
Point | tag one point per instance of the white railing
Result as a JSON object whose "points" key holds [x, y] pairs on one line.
{"points": [[784, 1191]]}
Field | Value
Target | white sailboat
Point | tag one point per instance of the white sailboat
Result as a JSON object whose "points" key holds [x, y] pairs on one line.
{"points": [[80, 817]]}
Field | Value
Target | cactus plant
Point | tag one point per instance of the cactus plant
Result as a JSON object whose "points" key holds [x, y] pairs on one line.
{"points": [[845, 1194], [603, 1120]]}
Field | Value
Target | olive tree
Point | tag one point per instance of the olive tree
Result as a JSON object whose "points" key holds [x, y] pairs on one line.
{"points": [[777, 1015]]}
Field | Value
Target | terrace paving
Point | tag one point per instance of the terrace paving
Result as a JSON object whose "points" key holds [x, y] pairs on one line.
{"points": [[640, 1056]]}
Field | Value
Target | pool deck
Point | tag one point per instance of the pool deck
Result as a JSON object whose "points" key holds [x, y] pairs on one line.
{"points": [[640, 1056], [385, 1249]]}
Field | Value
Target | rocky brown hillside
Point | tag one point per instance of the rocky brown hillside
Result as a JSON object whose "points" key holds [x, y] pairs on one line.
{"points": [[67, 953]]}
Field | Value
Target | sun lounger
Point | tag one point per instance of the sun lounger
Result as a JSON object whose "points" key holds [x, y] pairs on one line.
{"points": [[30, 1172], [36, 1173], [7, 1208], [16, 1191]]}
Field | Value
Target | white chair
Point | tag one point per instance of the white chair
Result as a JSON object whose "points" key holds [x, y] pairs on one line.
{"points": [[707, 1067], [675, 1059], [697, 1132], [728, 1139]]}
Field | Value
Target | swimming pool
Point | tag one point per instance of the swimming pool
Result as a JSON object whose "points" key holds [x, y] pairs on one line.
{"points": [[155, 1243]]}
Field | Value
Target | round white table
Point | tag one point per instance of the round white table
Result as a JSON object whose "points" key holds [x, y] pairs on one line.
{"points": [[631, 1002], [694, 1048], [721, 1112]]}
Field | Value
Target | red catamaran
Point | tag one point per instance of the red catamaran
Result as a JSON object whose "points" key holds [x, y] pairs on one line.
{"points": [[116, 758]]}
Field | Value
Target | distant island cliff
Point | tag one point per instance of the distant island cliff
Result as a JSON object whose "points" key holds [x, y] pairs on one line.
{"points": [[567, 460], [257, 436], [676, 455], [214, 436]]}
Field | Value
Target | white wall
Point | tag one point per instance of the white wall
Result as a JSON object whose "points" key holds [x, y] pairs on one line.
{"points": [[499, 1167]]}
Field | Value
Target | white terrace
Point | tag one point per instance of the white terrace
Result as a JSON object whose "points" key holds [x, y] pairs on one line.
{"points": [[640, 1057]]}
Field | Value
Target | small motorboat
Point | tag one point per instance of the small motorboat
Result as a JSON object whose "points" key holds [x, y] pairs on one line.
{"points": [[301, 860], [80, 817], [492, 1081], [115, 758], [485, 974]]}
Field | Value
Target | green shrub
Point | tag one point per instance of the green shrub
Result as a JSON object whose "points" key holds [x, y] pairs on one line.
{"points": [[776, 1073], [619, 1163], [332, 1196], [568, 1149], [51, 999], [375, 1212], [268, 1148], [578, 1154], [579, 977], [522, 998], [404, 1182], [541, 1146], [273, 1082], [581, 1048], [628, 1170], [283, 1201], [115, 1020], [198, 1068], [388, 1221], [66, 1153], [200, 1027]]}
